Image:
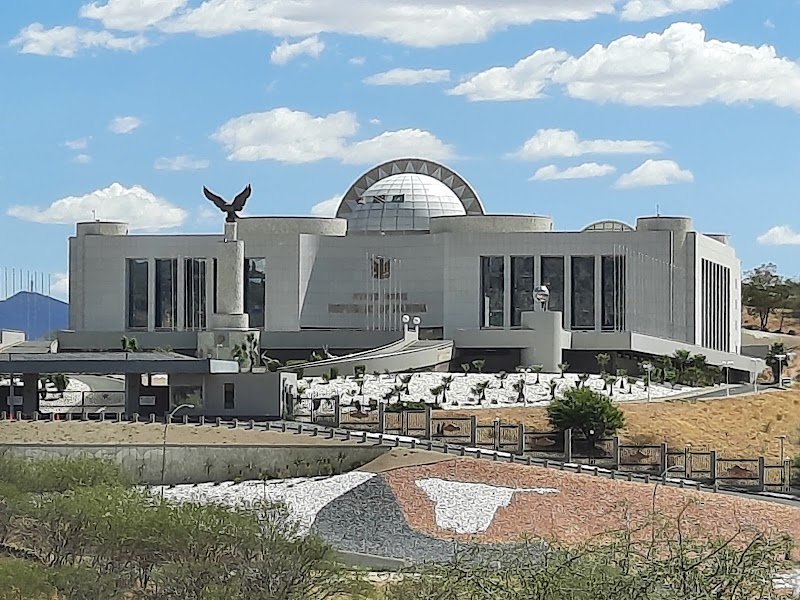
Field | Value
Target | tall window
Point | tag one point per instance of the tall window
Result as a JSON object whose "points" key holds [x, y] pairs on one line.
{"points": [[167, 293], [229, 398], [195, 293], [552, 268], [521, 287], [138, 280], [255, 289], [613, 282], [583, 292], [492, 291]]}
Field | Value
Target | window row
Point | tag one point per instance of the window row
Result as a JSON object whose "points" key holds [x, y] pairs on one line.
{"points": [[552, 274], [194, 284]]}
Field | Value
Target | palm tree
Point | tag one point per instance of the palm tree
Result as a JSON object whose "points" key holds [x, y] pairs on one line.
{"points": [[501, 377], [563, 367], [603, 359], [538, 370], [553, 387], [519, 387], [621, 375], [582, 379], [446, 383], [465, 367], [631, 383], [681, 358], [479, 364], [611, 383], [479, 391]]}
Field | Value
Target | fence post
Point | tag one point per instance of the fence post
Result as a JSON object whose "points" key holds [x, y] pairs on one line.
{"points": [[713, 466], [381, 418], [568, 445], [473, 433], [497, 435], [521, 438], [202, 419], [337, 412], [664, 463], [762, 474], [83, 406], [687, 471], [428, 422], [615, 452]]}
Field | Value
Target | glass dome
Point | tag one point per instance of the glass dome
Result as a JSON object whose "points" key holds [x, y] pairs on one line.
{"points": [[403, 202]]}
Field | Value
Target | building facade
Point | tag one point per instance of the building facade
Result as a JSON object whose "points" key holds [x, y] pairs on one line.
{"points": [[410, 237]]}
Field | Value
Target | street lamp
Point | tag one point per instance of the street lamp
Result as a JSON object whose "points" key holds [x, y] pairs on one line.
{"points": [[416, 321], [164, 442], [648, 366], [542, 296], [727, 364]]}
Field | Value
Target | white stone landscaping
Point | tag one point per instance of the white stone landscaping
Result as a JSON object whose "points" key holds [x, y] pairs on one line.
{"points": [[498, 393], [72, 395]]}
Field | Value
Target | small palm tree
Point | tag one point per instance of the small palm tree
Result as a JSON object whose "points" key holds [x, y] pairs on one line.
{"points": [[553, 388], [621, 375], [563, 368], [631, 382], [582, 379], [611, 383], [501, 377], [519, 387], [479, 391], [465, 367], [603, 359], [479, 364], [446, 383], [538, 370]]}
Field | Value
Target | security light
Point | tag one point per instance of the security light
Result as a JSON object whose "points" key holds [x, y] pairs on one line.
{"points": [[406, 319], [416, 321]]}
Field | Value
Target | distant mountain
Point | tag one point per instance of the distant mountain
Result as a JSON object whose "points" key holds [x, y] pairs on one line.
{"points": [[35, 314]]}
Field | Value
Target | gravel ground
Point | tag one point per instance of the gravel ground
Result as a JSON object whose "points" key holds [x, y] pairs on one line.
{"points": [[369, 519]]}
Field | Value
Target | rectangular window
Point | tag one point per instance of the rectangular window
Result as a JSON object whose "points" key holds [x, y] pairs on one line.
{"points": [[138, 292], [195, 293], [214, 284], [613, 284], [521, 287], [492, 291], [255, 290], [230, 396], [552, 269], [583, 292], [166, 293]]}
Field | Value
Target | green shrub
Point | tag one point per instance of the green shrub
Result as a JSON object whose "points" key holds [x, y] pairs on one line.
{"points": [[586, 411]]}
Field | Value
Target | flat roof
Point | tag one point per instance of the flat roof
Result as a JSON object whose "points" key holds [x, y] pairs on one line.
{"points": [[111, 363]]}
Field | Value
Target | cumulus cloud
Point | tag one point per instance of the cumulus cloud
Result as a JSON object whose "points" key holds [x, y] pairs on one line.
{"points": [[326, 208], [180, 163], [780, 235], [558, 142], [59, 286], [68, 41], [403, 76], [135, 205], [124, 125], [642, 10], [653, 173], [286, 51], [291, 136], [131, 15], [584, 171], [523, 81], [677, 67]]}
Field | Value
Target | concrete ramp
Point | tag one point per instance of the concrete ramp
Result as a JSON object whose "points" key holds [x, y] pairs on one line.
{"points": [[405, 355]]}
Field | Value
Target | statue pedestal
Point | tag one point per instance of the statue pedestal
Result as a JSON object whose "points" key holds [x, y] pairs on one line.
{"points": [[548, 340]]}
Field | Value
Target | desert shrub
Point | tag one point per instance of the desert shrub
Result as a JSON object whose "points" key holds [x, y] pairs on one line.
{"points": [[586, 411]]}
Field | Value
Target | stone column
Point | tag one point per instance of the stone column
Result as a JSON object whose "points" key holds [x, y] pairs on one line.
{"points": [[548, 340], [30, 393], [230, 283], [133, 382]]}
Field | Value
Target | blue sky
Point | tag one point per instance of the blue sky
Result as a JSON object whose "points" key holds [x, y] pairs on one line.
{"points": [[597, 109]]}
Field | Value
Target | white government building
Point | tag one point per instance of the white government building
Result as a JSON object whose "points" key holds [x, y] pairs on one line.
{"points": [[412, 237]]}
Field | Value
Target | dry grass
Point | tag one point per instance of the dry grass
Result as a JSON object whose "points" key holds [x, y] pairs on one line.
{"points": [[774, 321], [738, 426]]}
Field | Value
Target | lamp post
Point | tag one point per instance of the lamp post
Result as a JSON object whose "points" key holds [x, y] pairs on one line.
{"points": [[416, 321], [406, 320], [164, 442], [727, 364], [648, 367]]}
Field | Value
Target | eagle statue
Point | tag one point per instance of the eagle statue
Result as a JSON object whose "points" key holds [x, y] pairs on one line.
{"points": [[229, 208]]}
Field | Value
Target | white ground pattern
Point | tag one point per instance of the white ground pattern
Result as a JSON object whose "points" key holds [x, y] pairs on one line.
{"points": [[460, 393], [470, 507], [303, 497], [72, 395]]}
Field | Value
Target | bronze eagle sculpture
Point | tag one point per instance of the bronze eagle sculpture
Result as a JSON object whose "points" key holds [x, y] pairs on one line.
{"points": [[230, 209]]}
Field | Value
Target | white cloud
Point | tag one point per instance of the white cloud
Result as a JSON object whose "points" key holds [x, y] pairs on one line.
{"points": [[78, 144], [678, 67], [558, 142], [180, 163], [124, 124], [402, 76], [67, 41], [59, 286], [769, 24], [131, 15], [419, 23], [286, 51], [375, 121], [780, 235], [357, 60], [655, 172], [584, 171], [642, 10], [398, 144], [525, 80], [292, 136], [135, 205], [82, 159], [326, 208]]}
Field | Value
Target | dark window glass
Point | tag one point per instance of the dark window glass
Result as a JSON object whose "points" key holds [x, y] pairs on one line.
{"points": [[553, 278], [195, 293], [521, 287], [583, 292], [492, 291], [230, 396], [613, 282], [138, 284], [255, 290], [214, 285], [166, 293]]}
